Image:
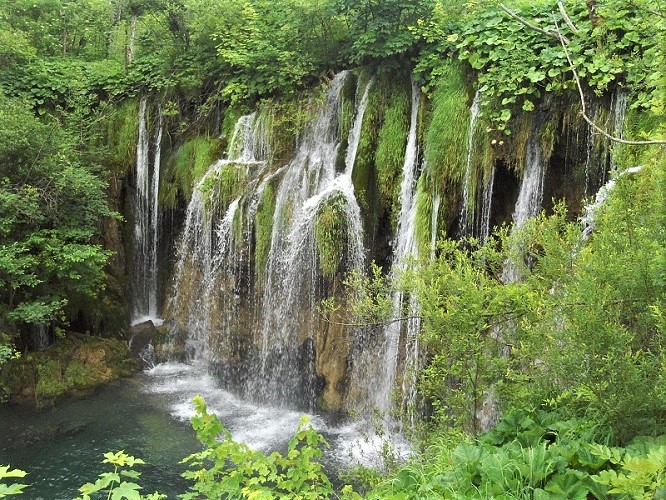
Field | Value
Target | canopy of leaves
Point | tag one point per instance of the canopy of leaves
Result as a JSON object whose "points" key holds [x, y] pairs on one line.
{"points": [[50, 205]]}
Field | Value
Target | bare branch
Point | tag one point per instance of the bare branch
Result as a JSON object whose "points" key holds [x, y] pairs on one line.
{"points": [[566, 17], [374, 323], [552, 34], [582, 103]]}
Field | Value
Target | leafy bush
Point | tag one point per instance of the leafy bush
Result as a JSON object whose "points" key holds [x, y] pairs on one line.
{"points": [[227, 469], [11, 489]]}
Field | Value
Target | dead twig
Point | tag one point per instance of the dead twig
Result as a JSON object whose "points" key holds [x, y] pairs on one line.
{"points": [[566, 17], [583, 111], [531, 26]]}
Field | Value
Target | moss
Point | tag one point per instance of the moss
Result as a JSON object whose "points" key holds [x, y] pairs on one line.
{"points": [[74, 363], [330, 236], [423, 223], [290, 118], [229, 120], [185, 167], [50, 381], [263, 227], [446, 136], [364, 163], [391, 145], [230, 182], [121, 129], [346, 119]]}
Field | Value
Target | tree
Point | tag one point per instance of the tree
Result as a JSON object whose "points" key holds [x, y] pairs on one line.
{"points": [[50, 205], [382, 28]]}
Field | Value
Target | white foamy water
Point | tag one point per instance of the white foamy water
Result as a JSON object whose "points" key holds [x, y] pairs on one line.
{"points": [[264, 427]]}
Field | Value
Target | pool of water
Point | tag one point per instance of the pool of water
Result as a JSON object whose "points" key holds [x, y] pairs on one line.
{"points": [[148, 417]]}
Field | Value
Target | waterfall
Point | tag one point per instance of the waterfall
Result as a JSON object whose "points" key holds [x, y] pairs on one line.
{"points": [[293, 281], [468, 209], [210, 263], [384, 380], [154, 219], [146, 219], [530, 196], [590, 210], [256, 327], [619, 106], [487, 200], [531, 188]]}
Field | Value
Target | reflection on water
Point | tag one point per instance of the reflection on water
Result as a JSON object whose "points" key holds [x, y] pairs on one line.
{"points": [[148, 417]]}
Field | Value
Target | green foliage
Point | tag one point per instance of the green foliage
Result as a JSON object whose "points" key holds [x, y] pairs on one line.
{"points": [[532, 454], [372, 299], [11, 489], [517, 66], [60, 27], [50, 206], [642, 468], [263, 224], [186, 167], [7, 352], [227, 469], [580, 326], [391, 144], [122, 125], [267, 47], [446, 136], [119, 483], [381, 30], [330, 235]]}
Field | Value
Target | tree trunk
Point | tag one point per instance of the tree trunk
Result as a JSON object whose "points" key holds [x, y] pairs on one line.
{"points": [[129, 42], [592, 12]]}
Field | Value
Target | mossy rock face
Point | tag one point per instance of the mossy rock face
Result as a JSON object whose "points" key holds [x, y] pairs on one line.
{"points": [[330, 236], [170, 342], [74, 365]]}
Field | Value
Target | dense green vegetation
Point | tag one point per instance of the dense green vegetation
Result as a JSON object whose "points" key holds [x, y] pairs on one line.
{"points": [[572, 353]]}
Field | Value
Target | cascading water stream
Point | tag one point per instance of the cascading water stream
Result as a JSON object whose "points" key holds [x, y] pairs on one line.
{"points": [[293, 278], [590, 210], [530, 196], [146, 220], [155, 219], [531, 188], [468, 209], [404, 246], [619, 106], [207, 252], [487, 200]]}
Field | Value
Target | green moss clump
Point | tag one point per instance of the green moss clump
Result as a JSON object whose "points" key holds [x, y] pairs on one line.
{"points": [[391, 144], [229, 120], [73, 364], [290, 118], [330, 236], [121, 129], [364, 163], [263, 227], [229, 183], [446, 136], [346, 119], [424, 207], [184, 168]]}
